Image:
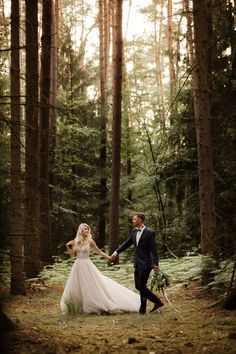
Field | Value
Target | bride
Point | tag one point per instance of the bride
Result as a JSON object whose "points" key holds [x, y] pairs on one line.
{"points": [[87, 290]]}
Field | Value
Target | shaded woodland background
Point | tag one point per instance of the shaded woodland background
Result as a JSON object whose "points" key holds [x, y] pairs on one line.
{"points": [[95, 125]]}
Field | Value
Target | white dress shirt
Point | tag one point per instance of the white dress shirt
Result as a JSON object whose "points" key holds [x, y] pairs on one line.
{"points": [[139, 234]]}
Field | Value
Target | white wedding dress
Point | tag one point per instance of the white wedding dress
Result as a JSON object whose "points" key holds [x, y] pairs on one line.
{"points": [[89, 291]]}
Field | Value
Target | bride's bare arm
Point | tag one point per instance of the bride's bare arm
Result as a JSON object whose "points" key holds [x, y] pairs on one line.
{"points": [[69, 247], [69, 244], [98, 251]]}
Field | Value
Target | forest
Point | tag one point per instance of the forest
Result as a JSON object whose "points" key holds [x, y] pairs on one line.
{"points": [[108, 108]]}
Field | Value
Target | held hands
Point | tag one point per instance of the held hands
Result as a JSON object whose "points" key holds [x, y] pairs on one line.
{"points": [[113, 256]]}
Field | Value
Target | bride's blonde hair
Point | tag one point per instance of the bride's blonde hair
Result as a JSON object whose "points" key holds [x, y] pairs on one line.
{"points": [[79, 240]]}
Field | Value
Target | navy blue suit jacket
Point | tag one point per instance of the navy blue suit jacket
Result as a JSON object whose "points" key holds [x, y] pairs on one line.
{"points": [[145, 252]]}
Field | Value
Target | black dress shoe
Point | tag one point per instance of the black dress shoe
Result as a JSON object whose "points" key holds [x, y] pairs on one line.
{"points": [[156, 306], [142, 311]]}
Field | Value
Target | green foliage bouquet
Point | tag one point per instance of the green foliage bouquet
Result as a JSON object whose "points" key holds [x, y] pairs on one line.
{"points": [[159, 280]]}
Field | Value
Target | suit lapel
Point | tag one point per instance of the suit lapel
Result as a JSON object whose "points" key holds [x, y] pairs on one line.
{"points": [[134, 237]]}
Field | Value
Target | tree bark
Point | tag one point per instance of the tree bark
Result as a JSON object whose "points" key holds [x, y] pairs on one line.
{"points": [[189, 34], [158, 40], [16, 239], [44, 205], [4, 22], [202, 110], [32, 241], [127, 137], [171, 53], [53, 101], [103, 9], [116, 128]]}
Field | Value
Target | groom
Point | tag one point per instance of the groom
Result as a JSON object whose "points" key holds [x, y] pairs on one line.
{"points": [[145, 259]]}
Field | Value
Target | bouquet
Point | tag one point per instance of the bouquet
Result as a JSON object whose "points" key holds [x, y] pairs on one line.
{"points": [[159, 281]]}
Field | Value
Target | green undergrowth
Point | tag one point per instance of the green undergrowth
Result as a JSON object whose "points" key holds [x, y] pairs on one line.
{"points": [[180, 271]]}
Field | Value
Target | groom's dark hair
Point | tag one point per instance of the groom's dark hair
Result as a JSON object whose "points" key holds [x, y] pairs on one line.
{"points": [[140, 215]]}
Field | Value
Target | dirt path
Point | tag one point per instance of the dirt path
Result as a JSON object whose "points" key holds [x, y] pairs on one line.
{"points": [[193, 328]]}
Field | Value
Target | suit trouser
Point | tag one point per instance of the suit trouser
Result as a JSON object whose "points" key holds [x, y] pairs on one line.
{"points": [[141, 277]]}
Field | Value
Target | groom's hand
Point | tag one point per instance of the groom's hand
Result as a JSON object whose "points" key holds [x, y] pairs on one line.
{"points": [[113, 256], [155, 268]]}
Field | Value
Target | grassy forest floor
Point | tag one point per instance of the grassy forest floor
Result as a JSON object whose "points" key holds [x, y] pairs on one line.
{"points": [[190, 325]]}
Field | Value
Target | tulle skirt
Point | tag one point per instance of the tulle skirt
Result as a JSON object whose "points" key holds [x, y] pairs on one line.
{"points": [[87, 290]]}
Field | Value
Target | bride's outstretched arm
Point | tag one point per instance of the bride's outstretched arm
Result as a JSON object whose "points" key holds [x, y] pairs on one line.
{"points": [[97, 249]]}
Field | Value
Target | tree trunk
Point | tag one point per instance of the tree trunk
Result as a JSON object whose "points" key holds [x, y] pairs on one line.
{"points": [[189, 34], [4, 22], [158, 40], [32, 241], [116, 129], [53, 75], [177, 55], [53, 101], [127, 139], [103, 116], [44, 207], [202, 110], [171, 54], [16, 239]]}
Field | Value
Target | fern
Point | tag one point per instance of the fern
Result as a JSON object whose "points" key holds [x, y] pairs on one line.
{"points": [[73, 309]]}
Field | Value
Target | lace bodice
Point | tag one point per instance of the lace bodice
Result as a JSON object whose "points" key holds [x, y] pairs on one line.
{"points": [[83, 253]]}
